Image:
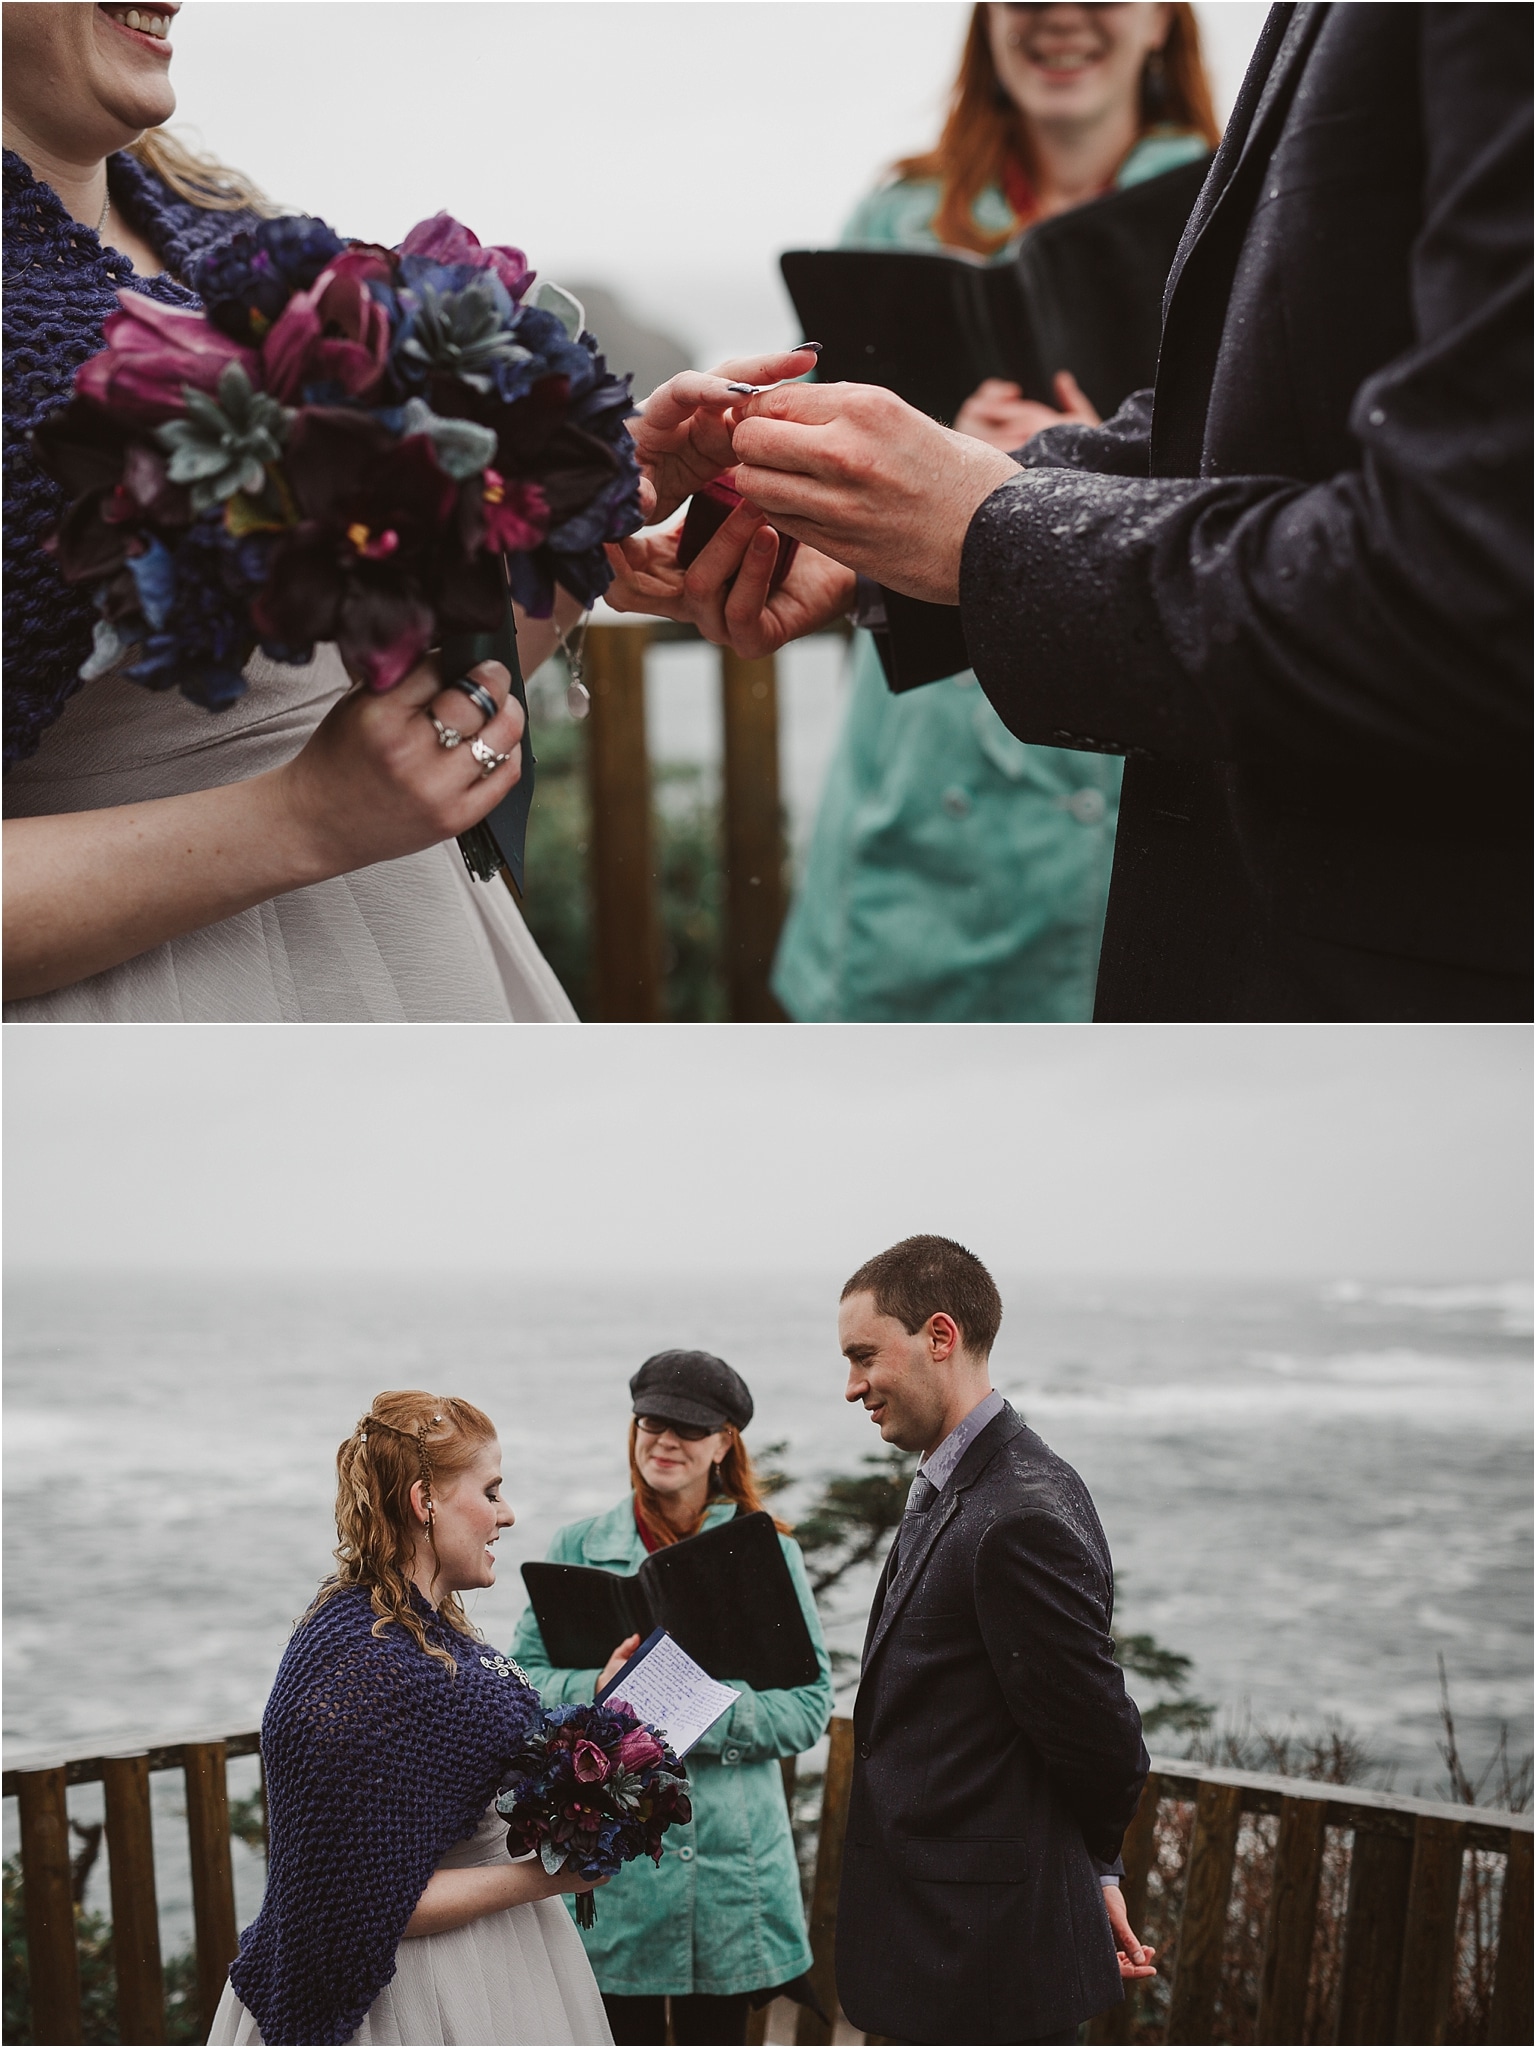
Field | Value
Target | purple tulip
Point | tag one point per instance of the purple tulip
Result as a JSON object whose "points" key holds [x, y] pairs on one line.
{"points": [[442, 239], [336, 332], [639, 1750], [151, 352], [589, 1762]]}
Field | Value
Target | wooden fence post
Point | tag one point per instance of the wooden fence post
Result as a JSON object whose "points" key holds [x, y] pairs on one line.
{"points": [[1379, 1868], [754, 835], [1429, 1943], [1287, 1966], [1510, 2019], [626, 943], [1139, 1849], [213, 1878], [53, 1966], [811, 2032], [135, 1921], [1203, 1926]]}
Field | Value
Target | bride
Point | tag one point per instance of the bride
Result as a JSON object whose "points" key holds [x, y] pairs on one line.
{"points": [[393, 1912], [292, 858]]}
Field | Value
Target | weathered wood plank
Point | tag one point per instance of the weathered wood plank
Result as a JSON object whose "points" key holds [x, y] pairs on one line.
{"points": [[626, 944], [810, 2032], [1203, 1927], [135, 1920], [1137, 1852], [1287, 1964], [1429, 1943], [754, 835], [1510, 2018], [1380, 1866], [213, 1878], [53, 1966]]}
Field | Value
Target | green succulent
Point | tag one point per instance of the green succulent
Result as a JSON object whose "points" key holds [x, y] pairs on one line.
{"points": [[223, 445], [462, 333]]}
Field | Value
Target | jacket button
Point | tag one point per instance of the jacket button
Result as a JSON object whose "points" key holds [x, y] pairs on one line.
{"points": [[1086, 805], [685, 1855], [863, 1749], [731, 1756]]}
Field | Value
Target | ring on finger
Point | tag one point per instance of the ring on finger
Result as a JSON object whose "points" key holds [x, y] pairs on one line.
{"points": [[447, 735], [478, 695], [488, 757]]}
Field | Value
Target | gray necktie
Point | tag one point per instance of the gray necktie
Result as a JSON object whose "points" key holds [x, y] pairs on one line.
{"points": [[920, 1497]]}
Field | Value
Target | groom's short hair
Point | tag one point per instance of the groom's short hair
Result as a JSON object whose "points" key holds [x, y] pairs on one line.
{"points": [[924, 1276]]}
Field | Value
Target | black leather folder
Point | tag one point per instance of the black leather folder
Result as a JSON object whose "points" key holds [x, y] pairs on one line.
{"points": [[1084, 293], [726, 1596]]}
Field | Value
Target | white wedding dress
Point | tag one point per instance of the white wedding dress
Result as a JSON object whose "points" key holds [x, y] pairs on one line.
{"points": [[408, 941], [514, 1977]]}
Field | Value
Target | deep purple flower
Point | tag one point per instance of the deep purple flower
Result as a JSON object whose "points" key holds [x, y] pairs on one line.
{"points": [[588, 1762], [444, 240], [151, 352], [335, 333], [246, 281]]}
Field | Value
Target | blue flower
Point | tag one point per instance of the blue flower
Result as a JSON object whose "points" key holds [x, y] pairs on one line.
{"points": [[245, 282]]}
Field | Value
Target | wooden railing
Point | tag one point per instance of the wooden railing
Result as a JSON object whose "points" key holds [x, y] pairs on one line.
{"points": [[626, 925], [1399, 1938]]}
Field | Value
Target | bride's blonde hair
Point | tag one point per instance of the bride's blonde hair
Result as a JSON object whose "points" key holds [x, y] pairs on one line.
{"points": [[197, 175], [404, 1438]]}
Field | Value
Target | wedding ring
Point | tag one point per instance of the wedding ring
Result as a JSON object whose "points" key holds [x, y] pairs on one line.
{"points": [[488, 757], [446, 734], [478, 695]]}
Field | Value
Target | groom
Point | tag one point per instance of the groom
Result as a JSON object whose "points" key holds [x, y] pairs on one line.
{"points": [[998, 1759]]}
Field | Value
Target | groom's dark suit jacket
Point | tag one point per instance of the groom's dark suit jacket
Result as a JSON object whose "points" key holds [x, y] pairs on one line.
{"points": [[1293, 586], [997, 1762]]}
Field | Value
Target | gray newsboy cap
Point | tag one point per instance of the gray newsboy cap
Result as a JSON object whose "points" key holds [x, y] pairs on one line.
{"points": [[693, 1387]]}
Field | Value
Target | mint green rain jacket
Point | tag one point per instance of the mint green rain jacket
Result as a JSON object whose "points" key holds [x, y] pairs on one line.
{"points": [[954, 872], [721, 1913]]}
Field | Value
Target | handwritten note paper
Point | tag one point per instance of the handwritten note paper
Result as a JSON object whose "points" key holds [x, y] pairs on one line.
{"points": [[662, 1684]]}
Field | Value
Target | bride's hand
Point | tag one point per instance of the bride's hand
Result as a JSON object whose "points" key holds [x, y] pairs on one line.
{"points": [[681, 435], [740, 615]]}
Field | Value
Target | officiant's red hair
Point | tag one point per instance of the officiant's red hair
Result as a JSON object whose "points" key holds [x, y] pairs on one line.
{"points": [[736, 1479], [985, 131]]}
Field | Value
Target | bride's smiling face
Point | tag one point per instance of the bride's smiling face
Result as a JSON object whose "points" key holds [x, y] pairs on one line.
{"points": [[83, 80], [468, 1514]]}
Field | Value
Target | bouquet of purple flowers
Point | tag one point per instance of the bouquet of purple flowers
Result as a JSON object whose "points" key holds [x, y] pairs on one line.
{"points": [[347, 443], [592, 1788]]}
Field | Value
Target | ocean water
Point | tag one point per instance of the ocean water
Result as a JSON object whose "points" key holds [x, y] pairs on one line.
{"points": [[1312, 1490]]}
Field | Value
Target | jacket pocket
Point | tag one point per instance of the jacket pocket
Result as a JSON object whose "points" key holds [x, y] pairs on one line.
{"points": [[933, 1859]]}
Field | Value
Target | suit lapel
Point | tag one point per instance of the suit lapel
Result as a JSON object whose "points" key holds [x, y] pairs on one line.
{"points": [[1194, 307], [1003, 1427]]}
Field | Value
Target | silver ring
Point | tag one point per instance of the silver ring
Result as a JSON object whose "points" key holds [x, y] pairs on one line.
{"points": [[478, 695], [488, 757], [447, 735]]}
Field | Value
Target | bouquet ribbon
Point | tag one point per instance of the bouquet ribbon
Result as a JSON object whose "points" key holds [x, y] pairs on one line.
{"points": [[500, 839]]}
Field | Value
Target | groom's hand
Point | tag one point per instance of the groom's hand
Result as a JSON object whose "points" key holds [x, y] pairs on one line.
{"points": [[864, 477], [681, 435], [1133, 1956]]}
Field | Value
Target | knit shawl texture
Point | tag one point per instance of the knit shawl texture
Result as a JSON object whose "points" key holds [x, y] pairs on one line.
{"points": [[377, 1762], [61, 284]]}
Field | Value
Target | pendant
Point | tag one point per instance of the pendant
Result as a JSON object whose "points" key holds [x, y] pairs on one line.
{"points": [[578, 698]]}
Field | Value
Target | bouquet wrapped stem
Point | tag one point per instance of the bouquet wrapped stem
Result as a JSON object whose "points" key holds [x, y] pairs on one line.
{"points": [[498, 841]]}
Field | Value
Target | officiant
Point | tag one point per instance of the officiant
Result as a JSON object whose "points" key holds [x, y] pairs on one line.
{"points": [[957, 873], [718, 1924]]}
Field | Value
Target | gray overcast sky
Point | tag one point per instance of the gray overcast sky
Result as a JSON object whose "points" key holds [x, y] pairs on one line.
{"points": [[1366, 1152], [671, 148]]}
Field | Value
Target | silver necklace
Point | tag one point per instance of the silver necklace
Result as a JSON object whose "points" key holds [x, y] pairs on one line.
{"points": [[104, 212]]}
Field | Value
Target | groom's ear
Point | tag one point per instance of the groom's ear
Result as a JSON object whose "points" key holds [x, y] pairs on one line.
{"points": [[944, 1338]]}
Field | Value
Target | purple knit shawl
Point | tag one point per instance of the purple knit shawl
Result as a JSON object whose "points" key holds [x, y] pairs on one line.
{"points": [[377, 1762], [61, 283]]}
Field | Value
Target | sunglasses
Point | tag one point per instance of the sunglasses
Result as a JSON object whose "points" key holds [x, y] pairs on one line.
{"points": [[657, 1425]]}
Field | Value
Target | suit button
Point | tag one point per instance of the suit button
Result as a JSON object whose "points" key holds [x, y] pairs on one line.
{"points": [[863, 1749], [685, 1855]]}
